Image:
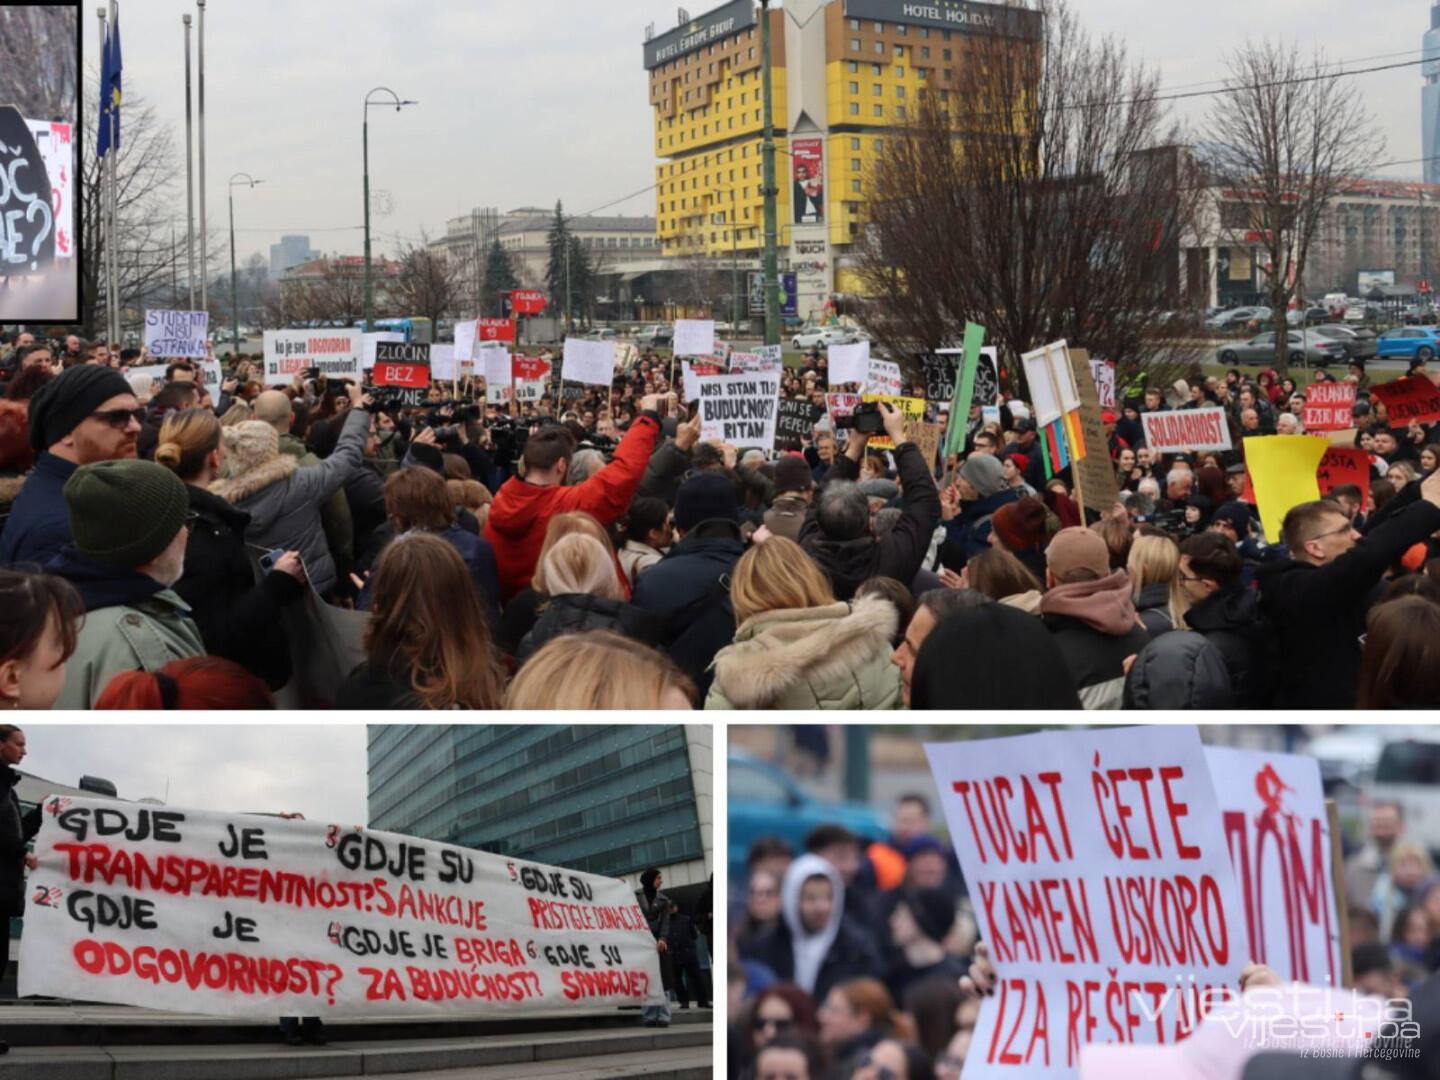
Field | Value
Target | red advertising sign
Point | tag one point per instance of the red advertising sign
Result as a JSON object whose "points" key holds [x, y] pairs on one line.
{"points": [[1344, 465], [527, 302], [1328, 406], [808, 172], [496, 330], [1409, 399], [529, 368]]}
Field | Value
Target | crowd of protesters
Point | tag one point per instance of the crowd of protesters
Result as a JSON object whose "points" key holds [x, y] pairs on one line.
{"points": [[526, 556]]}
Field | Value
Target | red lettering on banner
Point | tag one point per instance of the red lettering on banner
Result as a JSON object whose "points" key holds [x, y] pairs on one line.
{"points": [[602, 984], [1411, 398], [559, 915], [409, 376], [230, 972], [993, 798], [450, 984]]}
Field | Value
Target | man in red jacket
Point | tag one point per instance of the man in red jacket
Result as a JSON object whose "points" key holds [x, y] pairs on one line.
{"points": [[522, 510]]}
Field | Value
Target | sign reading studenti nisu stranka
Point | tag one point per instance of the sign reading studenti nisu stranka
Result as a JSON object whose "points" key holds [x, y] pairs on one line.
{"points": [[173, 334], [241, 915]]}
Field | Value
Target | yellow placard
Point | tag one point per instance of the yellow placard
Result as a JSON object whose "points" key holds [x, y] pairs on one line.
{"points": [[913, 408], [1282, 470]]}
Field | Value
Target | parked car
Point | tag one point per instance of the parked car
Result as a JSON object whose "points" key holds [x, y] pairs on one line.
{"points": [[1309, 316], [603, 334], [1408, 773], [654, 337], [1305, 347], [766, 801], [1420, 315], [1238, 318], [1358, 341], [1409, 343], [823, 338]]}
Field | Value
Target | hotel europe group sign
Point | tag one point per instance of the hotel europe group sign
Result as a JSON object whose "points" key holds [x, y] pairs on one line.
{"points": [[697, 33], [959, 15]]}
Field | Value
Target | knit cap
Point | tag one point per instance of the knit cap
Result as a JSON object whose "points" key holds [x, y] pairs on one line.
{"points": [[124, 513]]}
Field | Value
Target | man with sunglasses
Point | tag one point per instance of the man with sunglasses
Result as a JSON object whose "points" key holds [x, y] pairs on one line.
{"points": [[85, 415], [1317, 600]]}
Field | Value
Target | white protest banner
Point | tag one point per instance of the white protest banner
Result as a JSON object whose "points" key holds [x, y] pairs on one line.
{"points": [[466, 336], [849, 363], [1103, 372], [692, 373], [55, 142], [883, 378], [1052, 383], [742, 362], [1102, 887], [367, 356], [442, 363], [242, 915], [694, 337], [1186, 429], [172, 334], [588, 362], [337, 353], [774, 353], [740, 409], [154, 372], [1273, 810], [210, 374], [529, 389], [493, 361]]}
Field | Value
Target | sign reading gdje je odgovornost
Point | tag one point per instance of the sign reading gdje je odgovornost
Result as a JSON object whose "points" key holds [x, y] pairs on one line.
{"points": [[243, 915], [1102, 885]]}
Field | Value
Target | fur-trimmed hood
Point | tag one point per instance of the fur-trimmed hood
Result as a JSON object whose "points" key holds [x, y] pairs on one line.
{"points": [[775, 652], [237, 489]]}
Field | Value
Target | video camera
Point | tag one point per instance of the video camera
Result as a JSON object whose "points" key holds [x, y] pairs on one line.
{"points": [[867, 419]]}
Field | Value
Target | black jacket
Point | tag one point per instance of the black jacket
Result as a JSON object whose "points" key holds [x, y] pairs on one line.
{"points": [[574, 613], [381, 688], [665, 472], [1153, 606], [1231, 620], [901, 552], [1318, 612], [689, 590], [238, 619], [16, 831], [852, 955], [1180, 670]]}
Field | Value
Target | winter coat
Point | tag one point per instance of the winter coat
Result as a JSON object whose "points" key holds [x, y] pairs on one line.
{"points": [[334, 514], [656, 909], [1153, 607], [635, 557], [851, 955], [386, 688], [1095, 625], [1180, 670], [521, 512], [39, 522], [900, 552], [833, 657], [968, 534], [574, 613], [1318, 612], [238, 619], [665, 472], [284, 500], [479, 559], [16, 831], [132, 623], [690, 589], [1231, 620]]}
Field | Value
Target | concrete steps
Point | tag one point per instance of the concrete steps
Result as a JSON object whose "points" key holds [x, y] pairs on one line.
{"points": [[90, 1042]]}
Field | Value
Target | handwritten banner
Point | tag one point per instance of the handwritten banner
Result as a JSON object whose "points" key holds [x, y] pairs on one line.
{"points": [[942, 371], [27, 214], [1102, 372], [740, 409], [884, 378], [1186, 429], [1409, 399], [1344, 465], [337, 353], [912, 408], [401, 364], [694, 337], [589, 362], [795, 422], [1328, 406], [1102, 885], [240, 915], [849, 363], [172, 334]]}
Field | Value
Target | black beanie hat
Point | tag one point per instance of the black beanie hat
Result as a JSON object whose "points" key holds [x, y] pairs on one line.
{"points": [[933, 909], [705, 497], [63, 403]]}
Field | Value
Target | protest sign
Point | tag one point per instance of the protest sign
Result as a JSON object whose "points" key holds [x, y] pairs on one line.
{"points": [[913, 408], [927, 437], [242, 915], [774, 353], [691, 374], [442, 363], [884, 378], [1328, 406], [740, 409], [795, 422], [336, 353], [496, 329], [173, 334], [55, 141], [742, 362], [1273, 810], [941, 371], [401, 364], [694, 337], [154, 372], [1043, 388], [1344, 465], [466, 335], [1282, 471], [1413, 398], [27, 216], [1096, 486], [496, 367], [841, 407], [367, 358], [1186, 429], [1102, 373], [589, 362], [529, 369], [209, 374], [990, 414], [849, 363], [1102, 885]]}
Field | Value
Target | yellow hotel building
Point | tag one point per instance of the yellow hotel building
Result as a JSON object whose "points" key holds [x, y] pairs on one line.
{"points": [[845, 73]]}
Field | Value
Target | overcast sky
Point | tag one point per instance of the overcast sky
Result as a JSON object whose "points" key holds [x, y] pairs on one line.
{"points": [[528, 101], [315, 771]]}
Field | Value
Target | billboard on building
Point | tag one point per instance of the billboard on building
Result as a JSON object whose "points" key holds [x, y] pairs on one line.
{"points": [[1374, 279], [789, 300], [807, 157], [961, 15], [697, 33]]}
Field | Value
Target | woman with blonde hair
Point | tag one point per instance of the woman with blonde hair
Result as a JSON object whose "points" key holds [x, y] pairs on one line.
{"points": [[795, 646], [1154, 568], [599, 670], [582, 593], [238, 619], [428, 645], [473, 496], [523, 609]]}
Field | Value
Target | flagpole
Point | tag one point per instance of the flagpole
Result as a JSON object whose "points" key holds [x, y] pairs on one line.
{"points": [[103, 118], [204, 251], [189, 171]]}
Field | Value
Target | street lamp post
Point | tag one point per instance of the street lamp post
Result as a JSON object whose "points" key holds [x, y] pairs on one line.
{"points": [[249, 181], [772, 228], [365, 136]]}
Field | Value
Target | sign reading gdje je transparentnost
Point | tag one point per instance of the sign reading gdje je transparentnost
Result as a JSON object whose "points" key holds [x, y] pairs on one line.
{"points": [[244, 915]]}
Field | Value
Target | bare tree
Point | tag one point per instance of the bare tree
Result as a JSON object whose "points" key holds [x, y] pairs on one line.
{"points": [[428, 284], [1039, 190], [39, 75], [1286, 138]]}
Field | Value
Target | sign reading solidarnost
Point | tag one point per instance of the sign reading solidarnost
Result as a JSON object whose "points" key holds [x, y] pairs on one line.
{"points": [[240, 915], [1328, 406], [740, 409], [401, 364], [589, 362], [177, 333], [1411, 398], [1273, 809], [849, 363], [795, 422], [694, 337], [496, 329], [1186, 429], [884, 378], [336, 353], [1102, 886], [527, 302], [27, 215]]}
